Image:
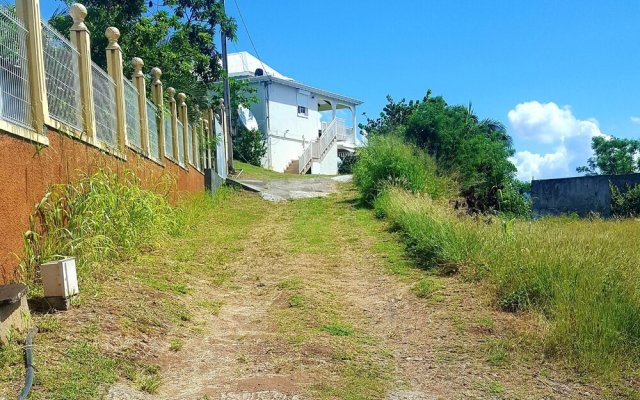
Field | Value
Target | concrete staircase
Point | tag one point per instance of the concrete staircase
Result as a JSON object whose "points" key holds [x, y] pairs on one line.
{"points": [[293, 167]]}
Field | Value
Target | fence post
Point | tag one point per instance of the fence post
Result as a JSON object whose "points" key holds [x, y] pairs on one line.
{"points": [[114, 68], [29, 12], [184, 118], [194, 134], [214, 137], [226, 135], [201, 141], [157, 96], [141, 85], [206, 141], [82, 42], [174, 122]]}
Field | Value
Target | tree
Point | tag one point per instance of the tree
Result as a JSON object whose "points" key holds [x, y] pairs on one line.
{"points": [[393, 116], [613, 156], [175, 35], [242, 95], [477, 152], [249, 146]]}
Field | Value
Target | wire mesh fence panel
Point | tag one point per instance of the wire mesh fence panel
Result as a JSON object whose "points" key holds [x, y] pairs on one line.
{"points": [[180, 143], [154, 144], [62, 78], [104, 103], [168, 136], [14, 80], [198, 149], [133, 115], [190, 143]]}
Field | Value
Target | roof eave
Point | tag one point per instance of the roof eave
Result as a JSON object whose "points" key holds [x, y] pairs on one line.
{"points": [[299, 85]]}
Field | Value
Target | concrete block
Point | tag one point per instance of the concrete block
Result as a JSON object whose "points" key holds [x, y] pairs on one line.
{"points": [[14, 311]]}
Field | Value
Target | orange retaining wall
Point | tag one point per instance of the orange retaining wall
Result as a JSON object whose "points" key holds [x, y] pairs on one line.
{"points": [[27, 170]]}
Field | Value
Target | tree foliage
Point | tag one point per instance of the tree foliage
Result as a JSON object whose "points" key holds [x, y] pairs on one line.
{"points": [[175, 35], [613, 156], [242, 95], [393, 115], [476, 151], [249, 146]]}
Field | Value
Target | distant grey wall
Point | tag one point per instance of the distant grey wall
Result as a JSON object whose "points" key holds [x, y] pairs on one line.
{"points": [[579, 195]]}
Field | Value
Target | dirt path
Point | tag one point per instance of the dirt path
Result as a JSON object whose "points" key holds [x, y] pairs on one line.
{"points": [[321, 303]]}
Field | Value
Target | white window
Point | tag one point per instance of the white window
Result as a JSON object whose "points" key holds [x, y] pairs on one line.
{"points": [[303, 103]]}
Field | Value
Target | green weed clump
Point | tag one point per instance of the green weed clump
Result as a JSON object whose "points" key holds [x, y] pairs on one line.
{"points": [[625, 203], [102, 217], [581, 276], [390, 160]]}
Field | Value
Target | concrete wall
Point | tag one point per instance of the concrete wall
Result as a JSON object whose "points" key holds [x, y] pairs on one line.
{"points": [[580, 195], [27, 171], [329, 164]]}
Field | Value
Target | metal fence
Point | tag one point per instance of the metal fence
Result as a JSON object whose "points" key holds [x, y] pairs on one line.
{"points": [[133, 115], [190, 143], [180, 143], [168, 136], [199, 135], [14, 82], [62, 78], [104, 102], [154, 144]]}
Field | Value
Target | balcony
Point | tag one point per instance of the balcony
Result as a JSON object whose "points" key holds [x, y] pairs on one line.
{"points": [[344, 133]]}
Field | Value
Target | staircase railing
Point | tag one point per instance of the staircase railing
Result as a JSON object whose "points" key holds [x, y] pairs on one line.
{"points": [[327, 138], [305, 159], [317, 150]]}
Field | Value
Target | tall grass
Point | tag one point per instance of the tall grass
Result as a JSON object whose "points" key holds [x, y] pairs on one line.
{"points": [[99, 218], [581, 276], [390, 160]]}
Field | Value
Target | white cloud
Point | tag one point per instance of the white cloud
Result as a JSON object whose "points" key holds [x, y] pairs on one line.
{"points": [[635, 120], [564, 139]]}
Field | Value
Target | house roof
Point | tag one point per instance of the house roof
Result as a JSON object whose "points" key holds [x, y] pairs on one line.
{"points": [[244, 65]]}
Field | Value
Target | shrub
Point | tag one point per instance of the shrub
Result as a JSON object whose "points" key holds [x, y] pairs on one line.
{"points": [[514, 200], [625, 203], [249, 146], [389, 160], [346, 164]]}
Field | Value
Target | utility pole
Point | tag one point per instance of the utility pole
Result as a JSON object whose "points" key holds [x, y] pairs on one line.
{"points": [[227, 97]]}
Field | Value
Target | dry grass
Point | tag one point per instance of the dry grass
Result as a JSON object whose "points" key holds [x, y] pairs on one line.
{"points": [[580, 276]]}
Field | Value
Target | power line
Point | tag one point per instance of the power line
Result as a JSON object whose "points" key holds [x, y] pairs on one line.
{"points": [[251, 39]]}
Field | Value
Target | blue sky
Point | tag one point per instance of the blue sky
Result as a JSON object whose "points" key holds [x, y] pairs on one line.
{"points": [[556, 73]]}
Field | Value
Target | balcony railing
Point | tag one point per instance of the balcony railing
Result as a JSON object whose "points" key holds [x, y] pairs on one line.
{"points": [[344, 134]]}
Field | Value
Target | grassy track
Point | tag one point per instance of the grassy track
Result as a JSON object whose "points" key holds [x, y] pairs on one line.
{"points": [[314, 297]]}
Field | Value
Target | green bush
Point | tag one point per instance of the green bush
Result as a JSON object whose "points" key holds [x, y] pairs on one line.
{"points": [[249, 146], [625, 203], [388, 160], [346, 164], [514, 200]]}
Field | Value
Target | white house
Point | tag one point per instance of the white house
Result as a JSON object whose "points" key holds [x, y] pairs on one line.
{"points": [[305, 127]]}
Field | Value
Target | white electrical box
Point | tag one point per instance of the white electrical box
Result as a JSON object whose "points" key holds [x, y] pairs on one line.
{"points": [[59, 278]]}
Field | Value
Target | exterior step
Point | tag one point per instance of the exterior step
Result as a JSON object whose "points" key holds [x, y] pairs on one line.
{"points": [[293, 167]]}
